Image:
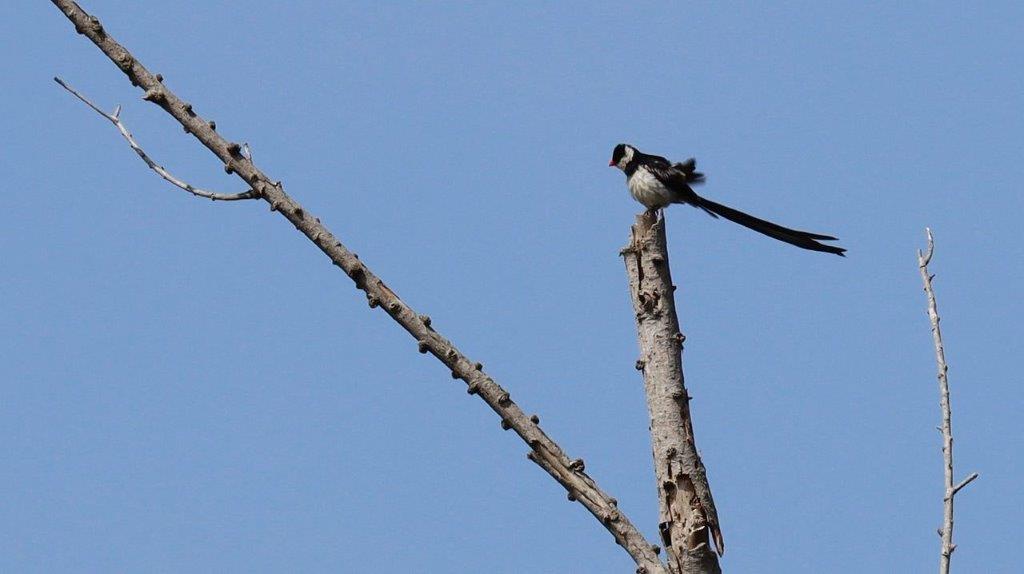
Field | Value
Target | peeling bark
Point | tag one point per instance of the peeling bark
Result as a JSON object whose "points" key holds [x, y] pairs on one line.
{"points": [[687, 517]]}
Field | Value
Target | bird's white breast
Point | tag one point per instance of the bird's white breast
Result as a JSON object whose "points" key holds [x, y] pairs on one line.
{"points": [[646, 189]]}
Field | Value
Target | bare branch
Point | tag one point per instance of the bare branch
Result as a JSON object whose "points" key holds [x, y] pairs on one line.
{"points": [[687, 510], [115, 119], [946, 532], [965, 482], [544, 451], [926, 258]]}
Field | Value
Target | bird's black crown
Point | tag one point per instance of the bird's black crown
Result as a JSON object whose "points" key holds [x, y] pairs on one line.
{"points": [[618, 152]]}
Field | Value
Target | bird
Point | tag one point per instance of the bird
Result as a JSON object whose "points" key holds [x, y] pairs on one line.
{"points": [[656, 183]]}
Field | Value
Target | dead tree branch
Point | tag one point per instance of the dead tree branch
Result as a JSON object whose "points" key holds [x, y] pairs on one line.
{"points": [[946, 532], [548, 455], [686, 511], [115, 118]]}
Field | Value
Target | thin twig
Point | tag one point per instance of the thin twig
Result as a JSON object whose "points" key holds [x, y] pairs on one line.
{"points": [[115, 119], [946, 532], [965, 482], [544, 451]]}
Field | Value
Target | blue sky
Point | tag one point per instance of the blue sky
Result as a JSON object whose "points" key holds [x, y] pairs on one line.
{"points": [[191, 387]]}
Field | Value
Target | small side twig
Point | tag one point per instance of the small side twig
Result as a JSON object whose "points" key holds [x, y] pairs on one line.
{"points": [[115, 119], [965, 482], [946, 532]]}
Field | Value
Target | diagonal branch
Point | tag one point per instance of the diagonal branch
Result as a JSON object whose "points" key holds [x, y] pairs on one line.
{"points": [[544, 451], [964, 483], [946, 532], [687, 514], [115, 119]]}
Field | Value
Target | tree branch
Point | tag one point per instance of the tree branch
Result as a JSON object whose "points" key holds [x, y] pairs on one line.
{"points": [[548, 455], [687, 511], [115, 119], [965, 482], [946, 532]]}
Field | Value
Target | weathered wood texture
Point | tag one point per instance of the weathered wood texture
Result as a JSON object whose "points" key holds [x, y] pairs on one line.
{"points": [[687, 511]]}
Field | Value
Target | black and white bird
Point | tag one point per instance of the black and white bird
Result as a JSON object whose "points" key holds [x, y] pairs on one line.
{"points": [[656, 183]]}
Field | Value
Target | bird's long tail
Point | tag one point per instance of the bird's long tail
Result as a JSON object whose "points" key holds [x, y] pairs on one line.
{"points": [[802, 239]]}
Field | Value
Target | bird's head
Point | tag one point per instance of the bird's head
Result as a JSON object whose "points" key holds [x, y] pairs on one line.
{"points": [[621, 155]]}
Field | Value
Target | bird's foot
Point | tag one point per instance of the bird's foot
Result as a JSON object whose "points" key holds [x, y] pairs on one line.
{"points": [[655, 215]]}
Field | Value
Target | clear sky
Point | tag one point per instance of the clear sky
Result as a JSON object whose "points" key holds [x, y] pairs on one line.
{"points": [[191, 387]]}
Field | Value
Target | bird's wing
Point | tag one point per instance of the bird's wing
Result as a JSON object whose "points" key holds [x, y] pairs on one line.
{"points": [[689, 167], [677, 180], [655, 160], [669, 175]]}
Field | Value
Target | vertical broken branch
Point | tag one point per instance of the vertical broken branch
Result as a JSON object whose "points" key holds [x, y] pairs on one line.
{"points": [[687, 514], [946, 531], [570, 473]]}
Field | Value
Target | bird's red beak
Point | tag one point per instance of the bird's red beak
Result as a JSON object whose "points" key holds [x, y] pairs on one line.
{"points": [[611, 163]]}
